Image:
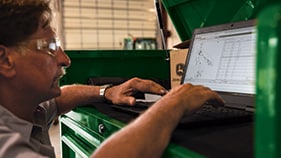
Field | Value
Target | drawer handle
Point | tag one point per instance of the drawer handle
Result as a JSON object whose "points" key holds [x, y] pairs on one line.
{"points": [[101, 128]]}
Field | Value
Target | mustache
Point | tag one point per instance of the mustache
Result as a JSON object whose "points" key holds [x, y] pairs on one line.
{"points": [[63, 70]]}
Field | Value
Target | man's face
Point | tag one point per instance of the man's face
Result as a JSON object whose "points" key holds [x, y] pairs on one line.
{"points": [[39, 70]]}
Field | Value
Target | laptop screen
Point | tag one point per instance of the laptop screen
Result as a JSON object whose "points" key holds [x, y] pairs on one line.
{"points": [[223, 60]]}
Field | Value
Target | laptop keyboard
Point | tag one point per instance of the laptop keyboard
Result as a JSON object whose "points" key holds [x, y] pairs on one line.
{"points": [[210, 113], [207, 114]]}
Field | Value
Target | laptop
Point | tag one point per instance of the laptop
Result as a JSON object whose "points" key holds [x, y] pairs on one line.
{"points": [[221, 57]]}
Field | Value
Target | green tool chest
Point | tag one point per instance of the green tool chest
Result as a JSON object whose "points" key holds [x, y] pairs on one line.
{"points": [[187, 15], [86, 64], [84, 128]]}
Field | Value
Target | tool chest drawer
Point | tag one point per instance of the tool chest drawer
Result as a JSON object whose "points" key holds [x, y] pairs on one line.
{"points": [[83, 129]]}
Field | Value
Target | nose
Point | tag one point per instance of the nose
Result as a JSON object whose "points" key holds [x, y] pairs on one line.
{"points": [[63, 59]]}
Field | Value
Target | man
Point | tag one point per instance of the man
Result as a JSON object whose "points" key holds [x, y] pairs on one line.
{"points": [[31, 64]]}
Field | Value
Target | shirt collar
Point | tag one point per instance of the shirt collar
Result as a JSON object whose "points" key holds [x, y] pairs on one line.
{"points": [[15, 123]]}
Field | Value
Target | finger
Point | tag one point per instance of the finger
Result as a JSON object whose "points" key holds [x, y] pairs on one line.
{"points": [[127, 100], [214, 98], [215, 102], [147, 86], [197, 95]]}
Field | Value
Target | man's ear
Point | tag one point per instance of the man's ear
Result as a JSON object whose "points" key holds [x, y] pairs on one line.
{"points": [[6, 63]]}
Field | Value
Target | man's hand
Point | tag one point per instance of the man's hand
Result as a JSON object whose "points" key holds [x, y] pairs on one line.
{"points": [[191, 97], [122, 94]]}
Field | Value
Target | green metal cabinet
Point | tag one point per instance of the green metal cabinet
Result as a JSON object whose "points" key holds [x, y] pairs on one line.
{"points": [[84, 128], [268, 101], [187, 15], [115, 63]]}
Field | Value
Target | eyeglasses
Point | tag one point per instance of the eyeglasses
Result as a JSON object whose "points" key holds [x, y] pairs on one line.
{"points": [[50, 46]]}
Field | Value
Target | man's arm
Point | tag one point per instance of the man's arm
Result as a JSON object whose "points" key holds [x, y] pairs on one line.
{"points": [[75, 95], [150, 133]]}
